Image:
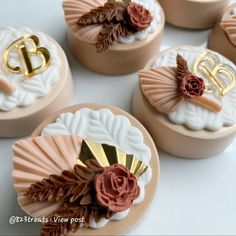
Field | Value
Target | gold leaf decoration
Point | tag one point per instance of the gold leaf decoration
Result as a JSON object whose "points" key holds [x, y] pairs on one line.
{"points": [[107, 155]]}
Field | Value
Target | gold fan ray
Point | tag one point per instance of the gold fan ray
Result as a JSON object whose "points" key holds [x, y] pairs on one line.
{"points": [[107, 155]]}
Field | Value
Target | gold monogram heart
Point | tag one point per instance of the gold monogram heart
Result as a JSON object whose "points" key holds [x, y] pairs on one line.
{"points": [[21, 46], [222, 76]]}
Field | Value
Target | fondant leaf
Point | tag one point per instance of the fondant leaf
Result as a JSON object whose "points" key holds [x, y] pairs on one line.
{"points": [[109, 35], [110, 11], [70, 186]]}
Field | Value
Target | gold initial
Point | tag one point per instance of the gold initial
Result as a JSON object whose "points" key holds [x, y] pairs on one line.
{"points": [[208, 64], [25, 54]]}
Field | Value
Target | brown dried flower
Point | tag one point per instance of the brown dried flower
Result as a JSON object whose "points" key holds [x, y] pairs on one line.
{"points": [[116, 188], [192, 86], [138, 16]]}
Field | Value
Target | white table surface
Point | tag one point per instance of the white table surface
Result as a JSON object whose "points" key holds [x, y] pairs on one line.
{"points": [[194, 197]]}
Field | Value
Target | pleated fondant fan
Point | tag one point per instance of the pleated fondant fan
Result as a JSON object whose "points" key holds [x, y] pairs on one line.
{"points": [[160, 87]]}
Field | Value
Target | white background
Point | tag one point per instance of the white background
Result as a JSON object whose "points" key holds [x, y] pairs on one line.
{"points": [[194, 197]]}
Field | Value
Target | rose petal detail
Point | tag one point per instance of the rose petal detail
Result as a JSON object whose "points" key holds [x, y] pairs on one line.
{"points": [[114, 195], [192, 86], [138, 17]]}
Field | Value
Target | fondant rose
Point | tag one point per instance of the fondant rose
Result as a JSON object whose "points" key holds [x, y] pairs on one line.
{"points": [[192, 86], [116, 188], [138, 17]]}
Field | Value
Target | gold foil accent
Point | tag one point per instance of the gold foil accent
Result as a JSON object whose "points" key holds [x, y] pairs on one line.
{"points": [[107, 155], [208, 65], [21, 47]]}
